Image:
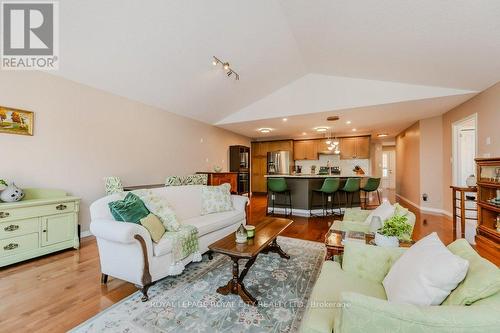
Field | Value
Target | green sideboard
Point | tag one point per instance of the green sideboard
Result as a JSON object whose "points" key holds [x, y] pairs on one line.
{"points": [[44, 221]]}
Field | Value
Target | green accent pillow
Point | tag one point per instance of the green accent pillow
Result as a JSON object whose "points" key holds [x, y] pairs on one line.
{"points": [[130, 209], [154, 226], [482, 279]]}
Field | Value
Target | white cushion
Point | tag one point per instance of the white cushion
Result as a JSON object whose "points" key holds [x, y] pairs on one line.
{"points": [[184, 200], [164, 246], [212, 222], [384, 211], [425, 274]]}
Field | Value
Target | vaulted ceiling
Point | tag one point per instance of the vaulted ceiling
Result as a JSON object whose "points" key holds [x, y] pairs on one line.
{"points": [[295, 57]]}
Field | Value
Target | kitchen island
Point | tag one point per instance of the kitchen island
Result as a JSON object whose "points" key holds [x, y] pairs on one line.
{"points": [[302, 186]]}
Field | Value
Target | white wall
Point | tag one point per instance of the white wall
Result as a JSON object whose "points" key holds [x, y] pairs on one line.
{"points": [[431, 161], [84, 134], [314, 93]]}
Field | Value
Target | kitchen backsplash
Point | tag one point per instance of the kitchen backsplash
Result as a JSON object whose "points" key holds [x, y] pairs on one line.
{"points": [[345, 165]]}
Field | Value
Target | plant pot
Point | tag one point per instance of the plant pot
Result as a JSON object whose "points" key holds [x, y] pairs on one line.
{"points": [[386, 241]]}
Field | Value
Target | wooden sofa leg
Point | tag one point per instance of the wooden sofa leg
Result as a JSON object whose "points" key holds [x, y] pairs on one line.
{"points": [[104, 278], [144, 291], [146, 276]]}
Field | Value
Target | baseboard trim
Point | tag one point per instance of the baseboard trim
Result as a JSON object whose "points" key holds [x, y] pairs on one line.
{"points": [[429, 210], [84, 234]]}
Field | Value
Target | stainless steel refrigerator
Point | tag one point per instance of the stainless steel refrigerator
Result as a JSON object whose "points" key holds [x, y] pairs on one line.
{"points": [[278, 162]]}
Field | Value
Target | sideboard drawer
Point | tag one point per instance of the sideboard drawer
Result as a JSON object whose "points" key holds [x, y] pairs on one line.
{"points": [[28, 212], [19, 227], [19, 244]]}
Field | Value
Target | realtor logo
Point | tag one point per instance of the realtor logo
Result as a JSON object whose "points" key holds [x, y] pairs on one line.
{"points": [[30, 35]]}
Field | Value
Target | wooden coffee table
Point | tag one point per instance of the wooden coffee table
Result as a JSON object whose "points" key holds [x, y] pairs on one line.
{"points": [[264, 241], [334, 246]]}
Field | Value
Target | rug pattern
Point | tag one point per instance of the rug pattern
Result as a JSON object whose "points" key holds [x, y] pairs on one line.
{"points": [[190, 303]]}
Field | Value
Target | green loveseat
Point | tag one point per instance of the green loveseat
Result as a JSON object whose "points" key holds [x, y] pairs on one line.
{"points": [[351, 298], [354, 219]]}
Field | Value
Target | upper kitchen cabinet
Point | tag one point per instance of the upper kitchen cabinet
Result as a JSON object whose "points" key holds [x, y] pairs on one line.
{"points": [[286, 145], [305, 150], [355, 148], [259, 149]]}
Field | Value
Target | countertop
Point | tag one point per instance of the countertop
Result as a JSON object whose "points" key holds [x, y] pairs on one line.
{"points": [[305, 176]]}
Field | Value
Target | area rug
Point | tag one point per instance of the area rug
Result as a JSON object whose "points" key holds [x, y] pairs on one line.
{"points": [[190, 303]]}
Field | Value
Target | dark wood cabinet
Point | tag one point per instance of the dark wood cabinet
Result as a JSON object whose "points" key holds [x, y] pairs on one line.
{"points": [[488, 190], [219, 178]]}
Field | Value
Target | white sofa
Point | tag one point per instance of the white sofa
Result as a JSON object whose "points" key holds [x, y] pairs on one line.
{"points": [[126, 250]]}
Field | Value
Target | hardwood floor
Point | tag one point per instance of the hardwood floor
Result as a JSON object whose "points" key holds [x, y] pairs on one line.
{"points": [[57, 292]]}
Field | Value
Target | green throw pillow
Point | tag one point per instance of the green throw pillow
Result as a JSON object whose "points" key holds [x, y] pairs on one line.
{"points": [[130, 209], [154, 226], [482, 279]]}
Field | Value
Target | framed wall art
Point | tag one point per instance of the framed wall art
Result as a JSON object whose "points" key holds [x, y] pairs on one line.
{"points": [[15, 121]]}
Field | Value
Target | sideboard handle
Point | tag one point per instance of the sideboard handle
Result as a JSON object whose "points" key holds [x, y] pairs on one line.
{"points": [[61, 207], [4, 215], [11, 227], [11, 246]]}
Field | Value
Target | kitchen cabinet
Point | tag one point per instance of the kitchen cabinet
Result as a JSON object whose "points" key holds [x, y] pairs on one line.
{"points": [[258, 164], [363, 147], [305, 150], [355, 148], [259, 170], [259, 149], [219, 178]]}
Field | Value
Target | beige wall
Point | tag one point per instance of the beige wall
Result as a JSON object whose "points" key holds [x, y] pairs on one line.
{"points": [[376, 159], [84, 134], [431, 160], [487, 107], [408, 163]]}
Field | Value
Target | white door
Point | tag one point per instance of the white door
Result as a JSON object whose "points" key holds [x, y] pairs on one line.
{"points": [[389, 169], [466, 152], [464, 149]]}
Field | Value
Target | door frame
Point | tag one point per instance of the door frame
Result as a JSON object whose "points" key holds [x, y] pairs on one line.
{"points": [[455, 127]]}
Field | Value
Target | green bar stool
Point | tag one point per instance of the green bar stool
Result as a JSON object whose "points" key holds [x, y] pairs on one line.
{"points": [[371, 186], [328, 189], [278, 186], [351, 186]]}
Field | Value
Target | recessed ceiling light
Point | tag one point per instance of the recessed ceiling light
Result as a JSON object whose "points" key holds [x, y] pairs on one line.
{"points": [[348, 122], [354, 130], [285, 119], [382, 135], [304, 133], [264, 130], [321, 129]]}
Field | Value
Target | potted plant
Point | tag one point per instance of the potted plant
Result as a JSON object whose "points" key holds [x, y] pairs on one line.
{"points": [[394, 229]]}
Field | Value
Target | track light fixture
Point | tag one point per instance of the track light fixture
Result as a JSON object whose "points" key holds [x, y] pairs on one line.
{"points": [[225, 65]]}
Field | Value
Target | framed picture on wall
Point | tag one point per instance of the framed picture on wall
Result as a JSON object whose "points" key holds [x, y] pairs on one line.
{"points": [[15, 121]]}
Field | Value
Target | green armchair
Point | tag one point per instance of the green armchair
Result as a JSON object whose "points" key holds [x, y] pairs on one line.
{"points": [[351, 298], [354, 219]]}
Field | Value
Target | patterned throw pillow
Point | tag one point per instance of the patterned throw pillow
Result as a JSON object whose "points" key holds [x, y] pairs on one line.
{"points": [[174, 181], [113, 185], [160, 207], [216, 199], [198, 179]]}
